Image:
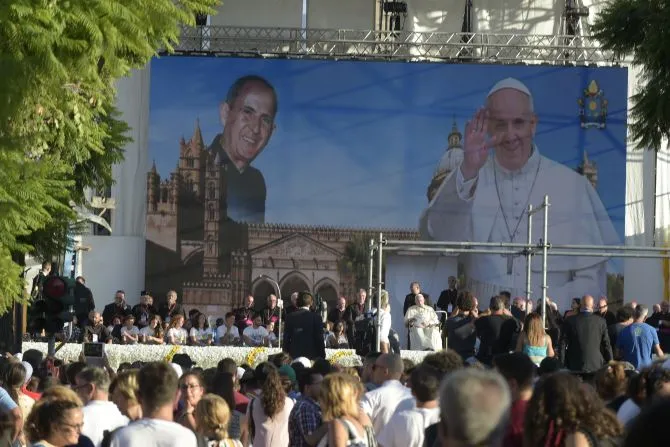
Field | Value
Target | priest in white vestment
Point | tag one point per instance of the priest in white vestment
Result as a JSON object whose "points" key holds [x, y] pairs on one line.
{"points": [[486, 200], [423, 325]]}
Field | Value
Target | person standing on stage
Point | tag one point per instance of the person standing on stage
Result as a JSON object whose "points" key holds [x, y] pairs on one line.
{"points": [[303, 333]]}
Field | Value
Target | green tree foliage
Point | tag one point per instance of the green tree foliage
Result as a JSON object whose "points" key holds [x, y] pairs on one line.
{"points": [[639, 28], [59, 130], [355, 261]]}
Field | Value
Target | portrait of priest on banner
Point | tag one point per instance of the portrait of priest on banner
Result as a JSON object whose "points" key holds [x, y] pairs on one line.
{"points": [[248, 117], [486, 198]]}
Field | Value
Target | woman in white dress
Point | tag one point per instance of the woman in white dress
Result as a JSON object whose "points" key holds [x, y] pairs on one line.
{"points": [[424, 326]]}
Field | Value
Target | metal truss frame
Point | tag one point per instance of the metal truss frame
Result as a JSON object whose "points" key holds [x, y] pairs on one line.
{"points": [[509, 48]]}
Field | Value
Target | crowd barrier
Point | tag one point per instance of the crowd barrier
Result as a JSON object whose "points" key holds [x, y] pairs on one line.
{"points": [[203, 356]]}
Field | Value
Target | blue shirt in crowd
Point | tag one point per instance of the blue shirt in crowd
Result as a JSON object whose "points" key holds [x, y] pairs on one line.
{"points": [[7, 404], [636, 344]]}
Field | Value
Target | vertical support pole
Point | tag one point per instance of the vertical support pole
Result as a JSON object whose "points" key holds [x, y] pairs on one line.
{"points": [[529, 259], [51, 346], [380, 253], [371, 267], [281, 311], [545, 253]]}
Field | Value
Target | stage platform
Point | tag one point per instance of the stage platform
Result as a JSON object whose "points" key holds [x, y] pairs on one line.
{"points": [[205, 357]]}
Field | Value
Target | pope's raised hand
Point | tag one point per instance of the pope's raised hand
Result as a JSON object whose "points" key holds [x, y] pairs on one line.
{"points": [[476, 145]]}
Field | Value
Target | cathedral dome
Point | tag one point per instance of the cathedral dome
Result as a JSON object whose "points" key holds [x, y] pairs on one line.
{"points": [[453, 156], [451, 160]]}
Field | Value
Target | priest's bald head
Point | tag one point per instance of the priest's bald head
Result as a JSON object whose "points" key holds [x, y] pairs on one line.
{"points": [[512, 120]]}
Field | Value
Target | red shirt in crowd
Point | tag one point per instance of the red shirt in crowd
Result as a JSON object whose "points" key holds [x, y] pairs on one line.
{"points": [[241, 402], [35, 396], [514, 435]]}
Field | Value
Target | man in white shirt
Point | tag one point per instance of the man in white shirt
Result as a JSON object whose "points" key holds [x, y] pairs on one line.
{"points": [[256, 335], [486, 200], [227, 334], [157, 394], [407, 428], [381, 403], [100, 415]]}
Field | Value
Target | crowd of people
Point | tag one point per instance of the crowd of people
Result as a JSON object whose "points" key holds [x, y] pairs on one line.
{"points": [[388, 401], [586, 377]]}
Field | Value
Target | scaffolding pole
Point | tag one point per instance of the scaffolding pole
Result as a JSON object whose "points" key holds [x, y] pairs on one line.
{"points": [[371, 267], [403, 244], [545, 255], [529, 258], [380, 249]]}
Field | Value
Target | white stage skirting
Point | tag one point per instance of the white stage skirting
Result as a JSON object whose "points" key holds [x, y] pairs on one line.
{"points": [[205, 357]]}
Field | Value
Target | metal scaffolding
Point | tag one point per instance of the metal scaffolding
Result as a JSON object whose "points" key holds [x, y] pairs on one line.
{"points": [[502, 48], [380, 245]]}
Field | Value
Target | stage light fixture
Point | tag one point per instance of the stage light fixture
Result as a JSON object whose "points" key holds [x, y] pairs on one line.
{"points": [[577, 11], [395, 7]]}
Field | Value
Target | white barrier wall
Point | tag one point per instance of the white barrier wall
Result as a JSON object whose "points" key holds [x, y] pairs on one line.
{"points": [[341, 14], [262, 13], [647, 214], [525, 17], [114, 263], [429, 16], [128, 219]]}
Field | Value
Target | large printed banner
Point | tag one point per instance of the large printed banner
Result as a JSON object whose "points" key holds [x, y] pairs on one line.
{"points": [[274, 170]]}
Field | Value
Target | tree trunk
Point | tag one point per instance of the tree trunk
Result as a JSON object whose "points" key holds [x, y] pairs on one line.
{"points": [[11, 322]]}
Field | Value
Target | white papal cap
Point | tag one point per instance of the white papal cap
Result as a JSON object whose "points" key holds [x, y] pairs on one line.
{"points": [[511, 83], [177, 369]]}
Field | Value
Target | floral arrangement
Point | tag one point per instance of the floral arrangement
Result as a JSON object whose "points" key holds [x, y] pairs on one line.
{"points": [[175, 349], [204, 356], [344, 357], [252, 357]]}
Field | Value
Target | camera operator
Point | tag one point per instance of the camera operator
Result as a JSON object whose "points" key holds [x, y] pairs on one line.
{"points": [[355, 312]]}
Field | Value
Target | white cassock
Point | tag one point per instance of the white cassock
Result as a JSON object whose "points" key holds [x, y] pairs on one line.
{"points": [[425, 332], [473, 211]]}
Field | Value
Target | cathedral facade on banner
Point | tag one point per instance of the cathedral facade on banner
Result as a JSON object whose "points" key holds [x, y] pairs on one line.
{"points": [[213, 262]]}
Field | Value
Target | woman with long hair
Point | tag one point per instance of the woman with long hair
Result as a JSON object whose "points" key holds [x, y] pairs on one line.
{"points": [[152, 333], [611, 382], [212, 416], [176, 334], [563, 412], [200, 334], [267, 414], [575, 305], [56, 419], [223, 385], [340, 408], [534, 341], [13, 380], [337, 339], [192, 389]]}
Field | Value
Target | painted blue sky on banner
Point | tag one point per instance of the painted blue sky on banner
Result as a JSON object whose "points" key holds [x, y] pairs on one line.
{"points": [[357, 143]]}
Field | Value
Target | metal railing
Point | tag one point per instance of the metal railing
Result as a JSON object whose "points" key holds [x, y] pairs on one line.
{"points": [[391, 45]]}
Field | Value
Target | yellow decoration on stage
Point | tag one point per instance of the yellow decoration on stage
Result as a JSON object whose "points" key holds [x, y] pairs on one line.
{"points": [[253, 355], [175, 349], [339, 355]]}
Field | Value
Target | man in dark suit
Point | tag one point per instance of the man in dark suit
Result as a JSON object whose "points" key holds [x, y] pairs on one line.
{"points": [[410, 299], [119, 308], [303, 333], [449, 296], [248, 119], [586, 340]]}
